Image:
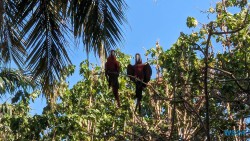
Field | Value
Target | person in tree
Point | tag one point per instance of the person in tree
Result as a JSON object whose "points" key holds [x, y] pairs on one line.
{"points": [[112, 69], [140, 74]]}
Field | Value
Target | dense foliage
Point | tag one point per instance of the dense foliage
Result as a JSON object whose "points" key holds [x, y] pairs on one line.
{"points": [[193, 82]]}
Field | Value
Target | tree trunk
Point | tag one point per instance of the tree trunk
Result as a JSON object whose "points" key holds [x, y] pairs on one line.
{"points": [[206, 86], [102, 56]]}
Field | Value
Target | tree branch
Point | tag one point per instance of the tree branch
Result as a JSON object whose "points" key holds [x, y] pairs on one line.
{"points": [[233, 31], [137, 79], [195, 112], [194, 44], [232, 76]]}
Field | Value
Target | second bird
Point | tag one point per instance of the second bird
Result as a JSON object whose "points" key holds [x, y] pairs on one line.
{"points": [[141, 76], [112, 69]]}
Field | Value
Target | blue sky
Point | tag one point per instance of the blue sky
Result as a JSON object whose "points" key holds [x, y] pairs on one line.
{"points": [[148, 21]]}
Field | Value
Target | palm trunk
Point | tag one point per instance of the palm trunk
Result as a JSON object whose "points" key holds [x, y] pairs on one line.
{"points": [[102, 56]]}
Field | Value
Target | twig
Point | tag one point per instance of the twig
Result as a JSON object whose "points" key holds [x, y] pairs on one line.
{"points": [[232, 76], [194, 44], [238, 79], [195, 112], [137, 79], [236, 30]]}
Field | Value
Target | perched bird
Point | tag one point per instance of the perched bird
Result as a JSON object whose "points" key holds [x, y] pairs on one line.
{"points": [[140, 74], [112, 69]]}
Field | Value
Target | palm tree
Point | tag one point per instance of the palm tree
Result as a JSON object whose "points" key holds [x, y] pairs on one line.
{"points": [[11, 44], [15, 81], [42, 26]]}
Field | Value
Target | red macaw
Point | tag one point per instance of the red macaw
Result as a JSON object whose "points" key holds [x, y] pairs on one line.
{"points": [[112, 69], [142, 72]]}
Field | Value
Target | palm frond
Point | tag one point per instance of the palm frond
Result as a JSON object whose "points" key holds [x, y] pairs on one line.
{"points": [[14, 80], [46, 42], [11, 43], [45, 28], [98, 22]]}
